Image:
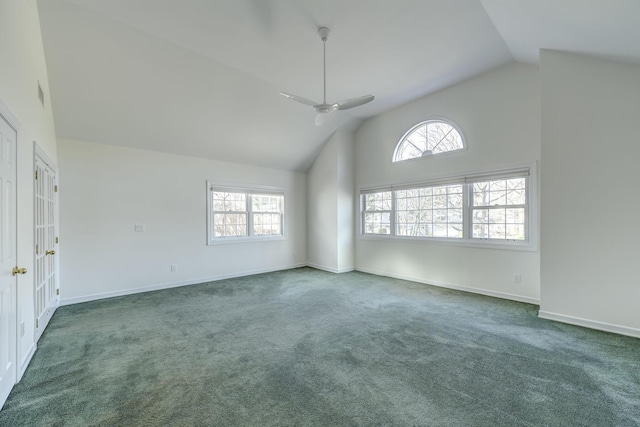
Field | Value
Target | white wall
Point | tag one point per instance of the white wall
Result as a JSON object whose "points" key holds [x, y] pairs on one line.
{"points": [[106, 190], [23, 66], [590, 274], [330, 191], [499, 115], [346, 202]]}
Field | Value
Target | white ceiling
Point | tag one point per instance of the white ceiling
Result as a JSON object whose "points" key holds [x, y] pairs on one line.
{"points": [[201, 77]]}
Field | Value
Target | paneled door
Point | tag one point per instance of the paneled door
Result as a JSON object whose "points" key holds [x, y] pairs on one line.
{"points": [[8, 268], [46, 242]]}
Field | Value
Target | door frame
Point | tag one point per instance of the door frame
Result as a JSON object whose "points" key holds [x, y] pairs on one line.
{"points": [[15, 124], [39, 153]]}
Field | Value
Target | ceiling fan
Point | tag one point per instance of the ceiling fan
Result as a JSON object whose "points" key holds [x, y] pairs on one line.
{"points": [[323, 109]]}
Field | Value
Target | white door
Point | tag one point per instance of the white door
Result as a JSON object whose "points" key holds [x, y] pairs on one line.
{"points": [[8, 270], [45, 244]]}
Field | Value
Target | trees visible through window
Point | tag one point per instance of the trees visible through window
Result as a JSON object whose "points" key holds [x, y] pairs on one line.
{"points": [[428, 138], [241, 213], [229, 214], [377, 213], [498, 209], [430, 211], [266, 210], [492, 207]]}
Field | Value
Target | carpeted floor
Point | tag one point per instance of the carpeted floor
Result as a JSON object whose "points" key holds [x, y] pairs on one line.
{"points": [[308, 348]]}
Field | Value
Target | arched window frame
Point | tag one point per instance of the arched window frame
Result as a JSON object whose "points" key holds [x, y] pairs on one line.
{"points": [[446, 121]]}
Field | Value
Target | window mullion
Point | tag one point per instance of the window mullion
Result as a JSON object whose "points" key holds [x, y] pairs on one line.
{"points": [[249, 215], [467, 211], [392, 214], [527, 212]]}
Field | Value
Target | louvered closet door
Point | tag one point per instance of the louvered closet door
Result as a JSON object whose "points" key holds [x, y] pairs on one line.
{"points": [[46, 245]]}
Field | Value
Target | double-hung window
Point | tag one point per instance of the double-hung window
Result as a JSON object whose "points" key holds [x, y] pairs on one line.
{"points": [[486, 207], [243, 213], [499, 209], [376, 216]]}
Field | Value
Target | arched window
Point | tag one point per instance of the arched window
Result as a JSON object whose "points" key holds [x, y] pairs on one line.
{"points": [[428, 138]]}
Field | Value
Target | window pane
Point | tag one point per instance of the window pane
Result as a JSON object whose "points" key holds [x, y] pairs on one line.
{"points": [[378, 201], [500, 192], [515, 231], [223, 201], [480, 231], [480, 216], [496, 231], [516, 197], [426, 202], [426, 216], [454, 216], [440, 216], [454, 189], [481, 187], [439, 230], [267, 224], [516, 183], [498, 197], [514, 216], [426, 192], [377, 223], [497, 216], [229, 225], [455, 201], [266, 203], [454, 230], [442, 190]]}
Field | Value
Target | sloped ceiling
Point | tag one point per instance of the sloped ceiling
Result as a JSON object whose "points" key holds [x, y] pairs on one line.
{"points": [[202, 78]]}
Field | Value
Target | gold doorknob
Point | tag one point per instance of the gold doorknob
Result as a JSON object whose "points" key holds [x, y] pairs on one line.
{"points": [[50, 252], [17, 270]]}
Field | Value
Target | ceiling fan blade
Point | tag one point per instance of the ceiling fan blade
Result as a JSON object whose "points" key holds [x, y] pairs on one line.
{"points": [[354, 102], [299, 99]]}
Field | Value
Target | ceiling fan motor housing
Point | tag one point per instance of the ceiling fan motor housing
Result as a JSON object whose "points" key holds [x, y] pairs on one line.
{"points": [[323, 32]]}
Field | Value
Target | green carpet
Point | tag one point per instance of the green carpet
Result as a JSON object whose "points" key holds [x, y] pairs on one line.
{"points": [[308, 348]]}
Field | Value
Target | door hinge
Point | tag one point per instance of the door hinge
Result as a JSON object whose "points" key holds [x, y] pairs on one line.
{"points": [[58, 291], [36, 173], [55, 188], [36, 323], [36, 249], [57, 241]]}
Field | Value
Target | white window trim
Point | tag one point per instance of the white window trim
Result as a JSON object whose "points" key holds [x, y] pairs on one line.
{"points": [[247, 189], [530, 244]]}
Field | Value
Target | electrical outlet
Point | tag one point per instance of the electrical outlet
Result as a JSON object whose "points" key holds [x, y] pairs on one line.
{"points": [[174, 268], [139, 228], [517, 278]]}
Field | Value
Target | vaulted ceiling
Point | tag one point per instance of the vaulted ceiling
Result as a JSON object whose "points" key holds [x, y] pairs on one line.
{"points": [[202, 77]]}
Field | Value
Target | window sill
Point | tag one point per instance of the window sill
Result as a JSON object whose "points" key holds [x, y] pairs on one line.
{"points": [[525, 246], [236, 240]]}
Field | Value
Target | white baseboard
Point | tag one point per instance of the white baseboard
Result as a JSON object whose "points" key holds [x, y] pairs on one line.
{"points": [[592, 324], [487, 292], [330, 269], [25, 361], [103, 295]]}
